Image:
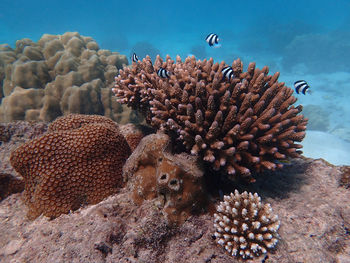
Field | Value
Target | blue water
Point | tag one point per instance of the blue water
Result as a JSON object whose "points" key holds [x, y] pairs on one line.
{"points": [[307, 39]]}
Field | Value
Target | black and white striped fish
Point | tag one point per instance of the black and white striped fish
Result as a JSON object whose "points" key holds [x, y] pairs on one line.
{"points": [[301, 86], [227, 72], [134, 58], [212, 39], [163, 73]]}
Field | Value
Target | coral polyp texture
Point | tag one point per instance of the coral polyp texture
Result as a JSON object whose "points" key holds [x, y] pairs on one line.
{"points": [[58, 75], [244, 226], [78, 161], [176, 181], [239, 125]]}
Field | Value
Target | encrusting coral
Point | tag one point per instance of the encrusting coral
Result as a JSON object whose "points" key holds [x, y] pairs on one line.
{"points": [[239, 125], [176, 181], [245, 227], [78, 161]]}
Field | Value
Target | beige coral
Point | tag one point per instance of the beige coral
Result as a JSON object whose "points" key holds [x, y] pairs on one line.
{"points": [[244, 226], [241, 126], [78, 161], [60, 74]]}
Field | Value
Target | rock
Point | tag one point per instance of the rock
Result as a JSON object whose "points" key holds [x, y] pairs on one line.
{"points": [[307, 195]]}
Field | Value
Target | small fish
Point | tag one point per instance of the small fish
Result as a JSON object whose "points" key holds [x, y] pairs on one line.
{"points": [[283, 162], [301, 85], [227, 72], [134, 58], [212, 39], [163, 73]]}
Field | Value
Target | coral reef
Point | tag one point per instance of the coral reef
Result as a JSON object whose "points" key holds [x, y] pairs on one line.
{"points": [[320, 60], [10, 185], [143, 49], [239, 125], [57, 75], [313, 209], [78, 161], [318, 118], [176, 181], [245, 227]]}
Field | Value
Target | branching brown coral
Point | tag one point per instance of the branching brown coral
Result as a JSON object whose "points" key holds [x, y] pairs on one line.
{"points": [[79, 161], [239, 125]]}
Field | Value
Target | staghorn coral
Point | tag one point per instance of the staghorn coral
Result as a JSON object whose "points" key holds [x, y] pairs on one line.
{"points": [[78, 161], [245, 227], [240, 126], [58, 75], [176, 181]]}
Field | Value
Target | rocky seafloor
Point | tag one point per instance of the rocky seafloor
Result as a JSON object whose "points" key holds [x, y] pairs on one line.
{"points": [[311, 198]]}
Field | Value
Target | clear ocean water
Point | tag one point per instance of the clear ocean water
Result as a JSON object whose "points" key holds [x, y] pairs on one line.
{"points": [[307, 39]]}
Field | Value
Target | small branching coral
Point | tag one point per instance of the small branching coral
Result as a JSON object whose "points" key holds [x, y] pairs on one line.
{"points": [[245, 227], [239, 125]]}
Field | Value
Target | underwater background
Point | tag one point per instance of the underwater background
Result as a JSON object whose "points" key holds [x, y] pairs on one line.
{"points": [[303, 40]]}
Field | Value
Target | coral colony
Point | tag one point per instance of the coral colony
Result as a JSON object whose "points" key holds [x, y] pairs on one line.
{"points": [[57, 75], [57, 166], [245, 227], [240, 123]]}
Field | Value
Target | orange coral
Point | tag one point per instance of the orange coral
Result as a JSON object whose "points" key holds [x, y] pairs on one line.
{"points": [[240, 125], [177, 180], [79, 161]]}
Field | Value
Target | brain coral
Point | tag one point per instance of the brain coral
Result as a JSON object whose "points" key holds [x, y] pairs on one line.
{"points": [[78, 161], [239, 125], [57, 75], [153, 172], [245, 227]]}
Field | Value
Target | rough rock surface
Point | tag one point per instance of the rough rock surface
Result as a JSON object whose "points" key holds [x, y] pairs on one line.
{"points": [[313, 209], [306, 195]]}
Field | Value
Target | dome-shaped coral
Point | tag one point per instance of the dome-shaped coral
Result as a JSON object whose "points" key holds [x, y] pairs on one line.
{"points": [[245, 227], [58, 75], [239, 125], [79, 161]]}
